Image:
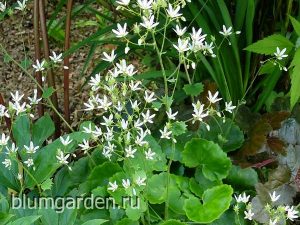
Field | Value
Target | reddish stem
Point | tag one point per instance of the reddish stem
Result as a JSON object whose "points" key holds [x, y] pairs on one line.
{"points": [[50, 77], [37, 49], [67, 62]]}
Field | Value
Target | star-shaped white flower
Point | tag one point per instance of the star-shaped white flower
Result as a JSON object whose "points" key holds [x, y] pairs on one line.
{"points": [[140, 181], [229, 107], [171, 115], [109, 58], [173, 13], [39, 66], [213, 98], [149, 154], [274, 197], [66, 141], [182, 45], [179, 31], [56, 58], [2, 6], [145, 4], [121, 31], [31, 149], [113, 186], [21, 5], [249, 214], [226, 31], [148, 22], [279, 54], [165, 133], [123, 2]]}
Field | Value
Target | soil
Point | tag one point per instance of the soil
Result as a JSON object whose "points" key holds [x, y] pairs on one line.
{"points": [[16, 35]]}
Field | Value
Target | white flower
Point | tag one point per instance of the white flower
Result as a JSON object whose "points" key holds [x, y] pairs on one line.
{"points": [[3, 111], [121, 31], [279, 54], [148, 117], [56, 58], [16, 97], [126, 183], [66, 141], [109, 58], [95, 82], [7, 163], [149, 97], [13, 149], [273, 222], [97, 132], [199, 112], [34, 100], [182, 46], [39, 66], [197, 36], [89, 105], [108, 121], [173, 13], [112, 186], [213, 98], [130, 152], [226, 31], [21, 5], [4, 139], [242, 198], [124, 124], [165, 133], [134, 85], [140, 181], [144, 4], [171, 115], [229, 107], [149, 154], [149, 23], [19, 107], [106, 153], [179, 31], [31, 149], [2, 6], [29, 162], [274, 197], [123, 2], [249, 214], [104, 103], [291, 213], [62, 159], [85, 145]]}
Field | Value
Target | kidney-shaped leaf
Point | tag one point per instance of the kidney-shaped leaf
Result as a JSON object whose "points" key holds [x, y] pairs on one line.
{"points": [[215, 202], [199, 152]]}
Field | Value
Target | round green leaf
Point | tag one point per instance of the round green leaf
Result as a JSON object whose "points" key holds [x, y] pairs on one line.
{"points": [[215, 202], [242, 178], [156, 190], [173, 222], [215, 163]]}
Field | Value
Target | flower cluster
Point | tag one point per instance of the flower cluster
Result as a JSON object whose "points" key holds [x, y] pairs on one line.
{"points": [[126, 108], [20, 6], [277, 214]]}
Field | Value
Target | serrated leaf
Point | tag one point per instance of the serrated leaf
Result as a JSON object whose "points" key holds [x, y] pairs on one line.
{"points": [[47, 184], [193, 89], [269, 44], [178, 128], [214, 162], [215, 202]]}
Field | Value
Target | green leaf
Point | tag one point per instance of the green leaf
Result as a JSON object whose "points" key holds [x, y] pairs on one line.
{"points": [[227, 134], [42, 129], [193, 89], [101, 174], [48, 92], [26, 63], [215, 202], [295, 86], [269, 44], [172, 222], [215, 163], [178, 128], [4, 217], [28, 220], [156, 189], [47, 184], [127, 221], [95, 222], [296, 25], [242, 178], [21, 131]]}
